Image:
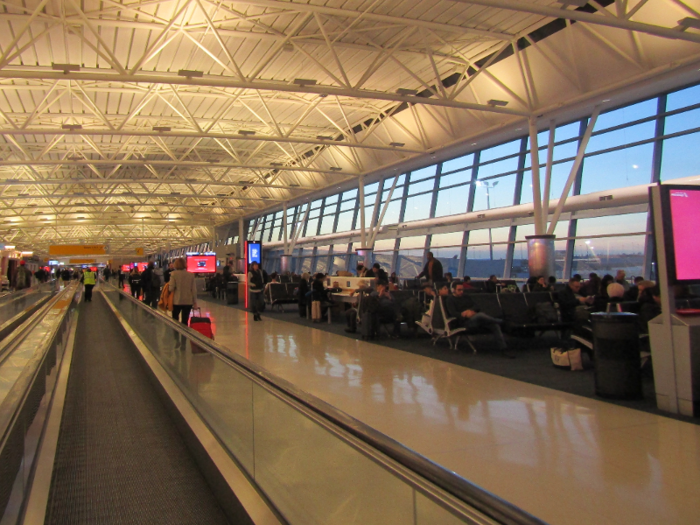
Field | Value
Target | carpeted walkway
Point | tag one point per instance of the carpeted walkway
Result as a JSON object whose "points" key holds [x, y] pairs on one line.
{"points": [[532, 364]]}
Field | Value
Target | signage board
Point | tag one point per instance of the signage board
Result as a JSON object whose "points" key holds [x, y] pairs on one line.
{"points": [[61, 250]]}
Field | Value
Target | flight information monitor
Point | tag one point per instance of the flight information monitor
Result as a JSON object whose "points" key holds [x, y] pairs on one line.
{"points": [[681, 217], [254, 252], [126, 268], [141, 266], [201, 263]]}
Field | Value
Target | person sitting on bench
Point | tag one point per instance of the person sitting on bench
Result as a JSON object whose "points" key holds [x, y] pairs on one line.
{"points": [[388, 312], [463, 309]]}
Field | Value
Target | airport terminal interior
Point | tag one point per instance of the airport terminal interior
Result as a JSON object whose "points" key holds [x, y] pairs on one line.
{"points": [[324, 262]]}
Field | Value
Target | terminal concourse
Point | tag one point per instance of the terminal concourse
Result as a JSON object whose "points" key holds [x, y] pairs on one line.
{"points": [[404, 225]]}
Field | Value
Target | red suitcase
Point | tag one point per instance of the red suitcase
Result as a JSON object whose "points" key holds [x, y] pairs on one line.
{"points": [[203, 326]]}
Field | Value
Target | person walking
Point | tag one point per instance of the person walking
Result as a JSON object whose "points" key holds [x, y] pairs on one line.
{"points": [[24, 277], [432, 270], [256, 285], [135, 282], [122, 274], [88, 279], [184, 290]]}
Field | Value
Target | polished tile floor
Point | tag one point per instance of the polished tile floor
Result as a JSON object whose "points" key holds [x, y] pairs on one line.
{"points": [[567, 459]]}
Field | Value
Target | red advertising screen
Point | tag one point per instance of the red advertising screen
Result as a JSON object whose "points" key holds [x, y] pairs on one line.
{"points": [[201, 263], [126, 268], [684, 205]]}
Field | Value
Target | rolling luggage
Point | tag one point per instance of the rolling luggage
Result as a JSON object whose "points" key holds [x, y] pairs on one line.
{"points": [[369, 326], [203, 326], [316, 311]]}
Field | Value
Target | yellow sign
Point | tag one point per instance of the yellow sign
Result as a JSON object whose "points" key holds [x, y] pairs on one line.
{"points": [[81, 261], [139, 252], [59, 250]]}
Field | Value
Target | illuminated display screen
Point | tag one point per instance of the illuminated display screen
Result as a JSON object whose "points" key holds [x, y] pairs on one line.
{"points": [[681, 220], [201, 263]]}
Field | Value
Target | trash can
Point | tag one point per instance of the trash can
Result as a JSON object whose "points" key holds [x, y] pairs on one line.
{"points": [[618, 372], [232, 290]]}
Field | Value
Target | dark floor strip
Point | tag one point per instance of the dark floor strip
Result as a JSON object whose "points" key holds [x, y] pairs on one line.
{"points": [[120, 459]]}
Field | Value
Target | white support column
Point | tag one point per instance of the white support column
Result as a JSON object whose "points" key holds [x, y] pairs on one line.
{"points": [[375, 212], [548, 175], [284, 226], [384, 208], [536, 187], [297, 230], [361, 189], [574, 170]]}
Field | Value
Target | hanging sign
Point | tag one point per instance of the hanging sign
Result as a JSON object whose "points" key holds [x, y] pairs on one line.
{"points": [[60, 250]]}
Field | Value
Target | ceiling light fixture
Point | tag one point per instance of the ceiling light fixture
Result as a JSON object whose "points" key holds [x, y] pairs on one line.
{"points": [[75, 157], [246, 132], [66, 68], [497, 103], [397, 144], [324, 137], [288, 47], [304, 82], [336, 168], [276, 164], [577, 3], [407, 92], [189, 73], [71, 127], [162, 128]]}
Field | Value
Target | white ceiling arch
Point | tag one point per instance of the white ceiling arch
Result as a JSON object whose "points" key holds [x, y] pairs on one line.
{"points": [[153, 122]]}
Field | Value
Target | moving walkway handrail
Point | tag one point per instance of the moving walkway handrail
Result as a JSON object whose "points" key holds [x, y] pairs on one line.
{"points": [[478, 498], [8, 327], [18, 408]]}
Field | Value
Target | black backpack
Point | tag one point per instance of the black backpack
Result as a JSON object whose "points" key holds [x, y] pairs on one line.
{"points": [[155, 281]]}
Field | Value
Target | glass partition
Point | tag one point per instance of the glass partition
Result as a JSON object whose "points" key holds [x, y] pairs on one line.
{"points": [[313, 471]]}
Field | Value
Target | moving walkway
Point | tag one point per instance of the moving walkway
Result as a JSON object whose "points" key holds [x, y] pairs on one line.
{"points": [[122, 415]]}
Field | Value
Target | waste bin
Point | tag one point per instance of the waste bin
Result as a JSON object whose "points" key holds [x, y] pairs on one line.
{"points": [[616, 350], [232, 290]]}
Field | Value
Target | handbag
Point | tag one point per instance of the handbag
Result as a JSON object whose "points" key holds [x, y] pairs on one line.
{"points": [[567, 359]]}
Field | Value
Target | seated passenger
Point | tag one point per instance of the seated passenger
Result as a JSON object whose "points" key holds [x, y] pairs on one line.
{"points": [[468, 283], [650, 306], [463, 309], [616, 294], [387, 310], [491, 285], [569, 299], [620, 279], [380, 275], [633, 293]]}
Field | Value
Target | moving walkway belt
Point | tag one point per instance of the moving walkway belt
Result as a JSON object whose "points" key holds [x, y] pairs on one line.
{"points": [[120, 458]]}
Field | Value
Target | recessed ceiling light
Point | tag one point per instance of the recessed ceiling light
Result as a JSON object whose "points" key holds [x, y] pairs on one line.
{"points": [[189, 73], [66, 68], [304, 82]]}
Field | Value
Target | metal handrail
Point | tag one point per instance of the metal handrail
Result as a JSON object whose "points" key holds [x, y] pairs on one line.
{"points": [[476, 497], [18, 409]]}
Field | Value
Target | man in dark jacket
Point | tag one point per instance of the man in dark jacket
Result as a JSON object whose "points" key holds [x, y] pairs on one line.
{"points": [[380, 275], [569, 299], [432, 270], [461, 306]]}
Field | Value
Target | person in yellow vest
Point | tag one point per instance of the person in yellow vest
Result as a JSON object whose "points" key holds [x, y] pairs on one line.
{"points": [[89, 282]]}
